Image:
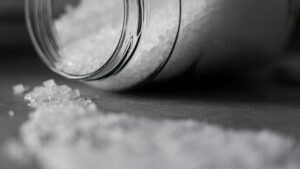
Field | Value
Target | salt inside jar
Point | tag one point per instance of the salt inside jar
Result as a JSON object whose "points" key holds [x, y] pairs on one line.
{"points": [[118, 44]]}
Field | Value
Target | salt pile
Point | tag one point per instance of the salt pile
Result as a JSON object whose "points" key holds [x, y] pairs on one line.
{"points": [[67, 131], [88, 34]]}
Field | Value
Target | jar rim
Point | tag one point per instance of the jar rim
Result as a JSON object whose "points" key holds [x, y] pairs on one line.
{"points": [[39, 23]]}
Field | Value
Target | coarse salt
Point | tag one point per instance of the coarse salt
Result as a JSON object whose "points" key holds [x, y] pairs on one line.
{"points": [[84, 49], [20, 89], [68, 132], [11, 113], [49, 83]]}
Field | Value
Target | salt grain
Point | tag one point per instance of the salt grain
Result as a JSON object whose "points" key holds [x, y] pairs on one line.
{"points": [[20, 89], [11, 113], [49, 83], [50, 93], [68, 132]]}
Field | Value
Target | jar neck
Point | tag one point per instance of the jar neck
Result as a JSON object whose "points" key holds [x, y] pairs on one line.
{"points": [[133, 23], [136, 19], [40, 24]]}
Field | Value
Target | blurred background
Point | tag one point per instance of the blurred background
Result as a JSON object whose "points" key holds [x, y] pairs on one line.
{"points": [[14, 36]]}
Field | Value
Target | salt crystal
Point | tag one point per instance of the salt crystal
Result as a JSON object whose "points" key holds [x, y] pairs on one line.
{"points": [[11, 113], [50, 93], [20, 89], [49, 83], [92, 107]]}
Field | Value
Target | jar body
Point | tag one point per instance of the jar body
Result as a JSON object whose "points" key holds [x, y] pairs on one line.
{"points": [[175, 36], [237, 35]]}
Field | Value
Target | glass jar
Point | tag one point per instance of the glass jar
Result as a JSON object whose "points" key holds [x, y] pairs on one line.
{"points": [[118, 44]]}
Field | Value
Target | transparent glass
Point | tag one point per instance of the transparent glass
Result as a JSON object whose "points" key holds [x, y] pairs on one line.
{"points": [[118, 44]]}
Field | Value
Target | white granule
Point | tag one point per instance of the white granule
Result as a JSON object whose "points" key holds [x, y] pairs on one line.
{"points": [[11, 113], [67, 131], [49, 83], [20, 89], [50, 93]]}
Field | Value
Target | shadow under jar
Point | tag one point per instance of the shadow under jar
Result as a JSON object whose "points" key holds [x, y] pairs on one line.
{"points": [[120, 44]]}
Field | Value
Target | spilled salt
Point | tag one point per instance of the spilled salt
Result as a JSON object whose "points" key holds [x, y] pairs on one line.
{"points": [[67, 131]]}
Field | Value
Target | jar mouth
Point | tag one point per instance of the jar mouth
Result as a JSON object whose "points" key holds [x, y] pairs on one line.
{"points": [[46, 38]]}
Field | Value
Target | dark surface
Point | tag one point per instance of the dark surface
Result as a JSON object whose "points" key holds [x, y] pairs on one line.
{"points": [[253, 107]]}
